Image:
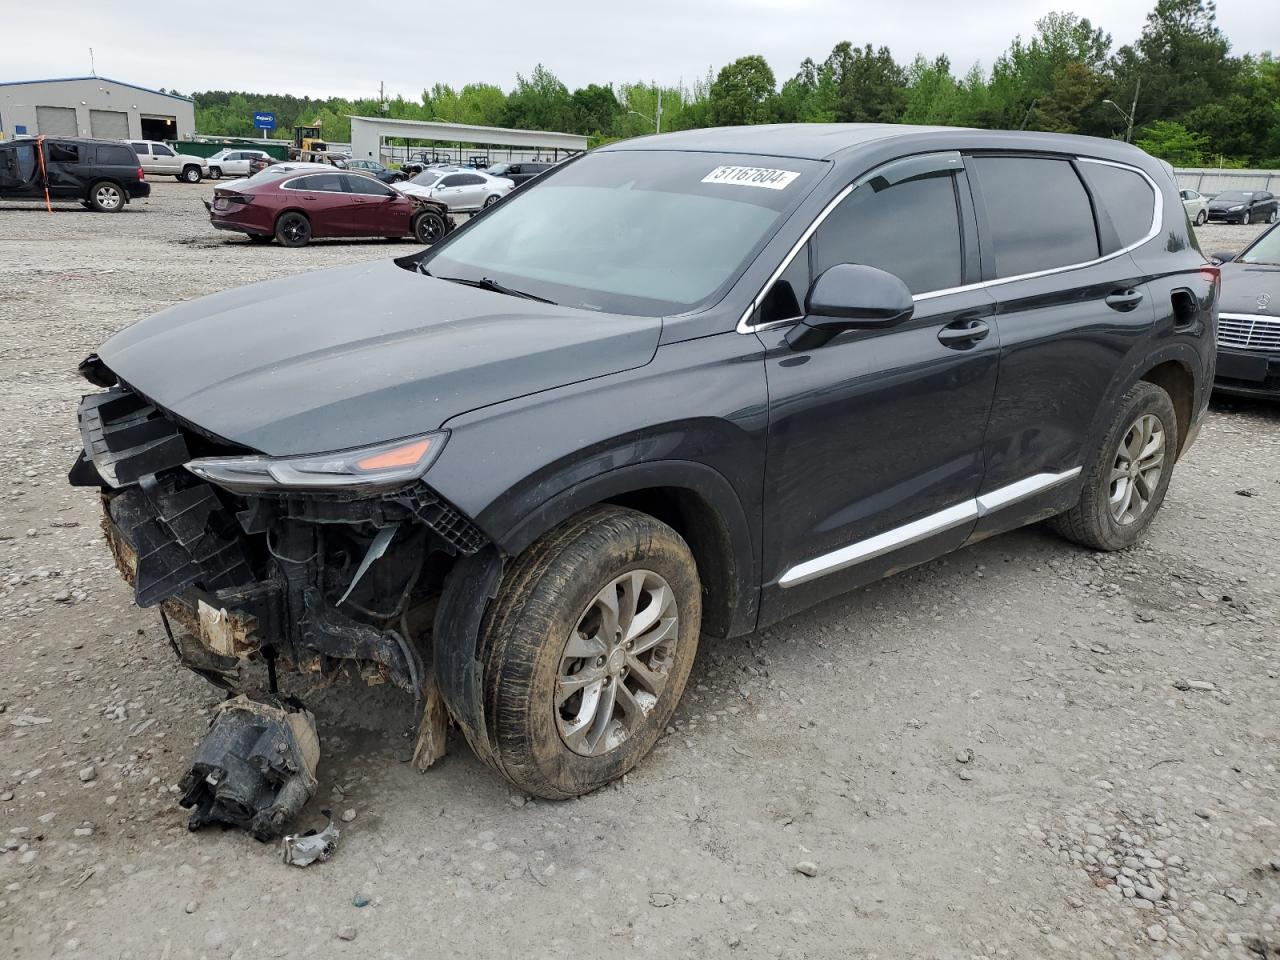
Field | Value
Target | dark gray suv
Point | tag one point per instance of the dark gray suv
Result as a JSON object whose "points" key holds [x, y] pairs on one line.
{"points": [[682, 385]]}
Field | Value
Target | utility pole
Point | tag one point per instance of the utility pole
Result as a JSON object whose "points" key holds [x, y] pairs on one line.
{"points": [[1128, 137], [657, 121]]}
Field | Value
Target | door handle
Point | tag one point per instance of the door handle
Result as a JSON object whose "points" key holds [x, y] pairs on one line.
{"points": [[1124, 300], [963, 333]]}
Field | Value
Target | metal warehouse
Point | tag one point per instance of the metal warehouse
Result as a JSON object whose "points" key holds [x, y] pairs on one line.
{"points": [[368, 136], [93, 107]]}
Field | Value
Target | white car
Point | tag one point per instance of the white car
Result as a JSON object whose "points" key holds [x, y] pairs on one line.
{"points": [[157, 158], [232, 162], [462, 191], [1197, 206]]}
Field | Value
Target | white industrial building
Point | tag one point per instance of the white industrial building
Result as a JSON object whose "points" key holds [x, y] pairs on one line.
{"points": [[369, 136], [93, 107]]}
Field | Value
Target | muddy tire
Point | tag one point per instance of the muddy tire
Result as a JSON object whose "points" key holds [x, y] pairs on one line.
{"points": [[429, 227], [293, 229], [570, 702], [1125, 482]]}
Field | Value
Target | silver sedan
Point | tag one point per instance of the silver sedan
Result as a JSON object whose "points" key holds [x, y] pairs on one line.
{"points": [[462, 190]]}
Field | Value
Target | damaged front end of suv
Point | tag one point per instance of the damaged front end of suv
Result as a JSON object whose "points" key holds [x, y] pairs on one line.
{"points": [[327, 565]]}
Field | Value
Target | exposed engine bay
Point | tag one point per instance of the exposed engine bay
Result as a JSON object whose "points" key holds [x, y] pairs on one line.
{"points": [[324, 583]]}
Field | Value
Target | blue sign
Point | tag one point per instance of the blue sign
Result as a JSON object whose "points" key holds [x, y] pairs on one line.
{"points": [[264, 121]]}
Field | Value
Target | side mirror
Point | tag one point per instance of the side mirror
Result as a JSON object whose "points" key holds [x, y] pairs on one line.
{"points": [[1223, 257], [850, 296]]}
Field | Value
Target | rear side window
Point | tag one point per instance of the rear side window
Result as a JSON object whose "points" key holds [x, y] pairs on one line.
{"points": [[326, 182], [1038, 214], [116, 156], [64, 152], [911, 229], [1125, 198], [369, 187]]}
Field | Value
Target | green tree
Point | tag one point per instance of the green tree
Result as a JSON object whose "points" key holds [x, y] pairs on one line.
{"points": [[743, 92], [596, 109], [539, 102], [1170, 140], [869, 85]]}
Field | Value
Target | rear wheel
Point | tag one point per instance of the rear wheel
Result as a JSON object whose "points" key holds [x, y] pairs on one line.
{"points": [[293, 230], [490, 201], [1201, 217], [428, 227], [586, 651], [106, 197], [1126, 480]]}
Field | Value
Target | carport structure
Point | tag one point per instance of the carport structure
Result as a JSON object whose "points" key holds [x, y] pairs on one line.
{"points": [[457, 140]]}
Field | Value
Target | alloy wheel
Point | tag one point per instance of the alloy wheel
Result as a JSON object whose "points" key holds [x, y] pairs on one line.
{"points": [[616, 662], [1135, 473], [107, 197]]}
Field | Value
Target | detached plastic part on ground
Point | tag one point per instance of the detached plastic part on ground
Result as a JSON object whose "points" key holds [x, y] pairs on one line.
{"points": [[304, 849], [256, 768]]}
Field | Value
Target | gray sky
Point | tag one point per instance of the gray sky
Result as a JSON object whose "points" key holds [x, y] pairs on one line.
{"points": [[265, 47]]}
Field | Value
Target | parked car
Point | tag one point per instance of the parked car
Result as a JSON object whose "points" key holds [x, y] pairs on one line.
{"points": [[519, 172], [160, 159], [1244, 206], [680, 386], [374, 169], [300, 205], [462, 190], [1196, 205], [103, 175], [234, 162], [258, 164], [1249, 325]]}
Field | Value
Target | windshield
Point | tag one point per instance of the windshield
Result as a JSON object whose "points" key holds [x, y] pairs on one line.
{"points": [[1266, 249], [426, 178], [1234, 195], [498, 169], [640, 232]]}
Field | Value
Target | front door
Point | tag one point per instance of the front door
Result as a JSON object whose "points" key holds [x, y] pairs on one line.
{"points": [[875, 438], [379, 210], [164, 159]]}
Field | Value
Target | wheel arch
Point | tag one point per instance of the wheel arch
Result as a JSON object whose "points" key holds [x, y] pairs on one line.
{"points": [[692, 498], [1175, 378]]}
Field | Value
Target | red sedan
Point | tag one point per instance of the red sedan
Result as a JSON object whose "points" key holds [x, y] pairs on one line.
{"points": [[294, 204]]}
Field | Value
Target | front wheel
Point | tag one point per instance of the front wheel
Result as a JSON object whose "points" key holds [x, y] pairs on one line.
{"points": [[293, 230], [1275, 215], [215, 173], [106, 197], [1245, 220], [428, 227], [586, 651], [1125, 482], [192, 174]]}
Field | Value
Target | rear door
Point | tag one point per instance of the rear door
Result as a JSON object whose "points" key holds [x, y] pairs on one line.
{"points": [[65, 168], [1073, 312], [875, 438], [326, 202]]}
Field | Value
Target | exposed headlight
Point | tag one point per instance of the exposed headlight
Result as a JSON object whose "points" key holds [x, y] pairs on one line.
{"points": [[1238, 206], [384, 466]]}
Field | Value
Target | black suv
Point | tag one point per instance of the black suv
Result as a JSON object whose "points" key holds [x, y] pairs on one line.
{"points": [[103, 175], [679, 386], [521, 172]]}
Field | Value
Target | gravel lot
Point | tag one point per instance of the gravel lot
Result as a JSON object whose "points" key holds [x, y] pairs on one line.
{"points": [[1021, 750]]}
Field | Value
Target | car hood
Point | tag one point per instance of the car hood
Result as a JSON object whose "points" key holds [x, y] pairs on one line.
{"points": [[1251, 288], [357, 355], [1227, 204]]}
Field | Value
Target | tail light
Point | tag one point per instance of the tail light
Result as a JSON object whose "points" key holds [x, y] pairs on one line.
{"points": [[142, 174]]}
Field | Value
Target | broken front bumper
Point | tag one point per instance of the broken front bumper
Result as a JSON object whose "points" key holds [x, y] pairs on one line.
{"points": [[316, 582]]}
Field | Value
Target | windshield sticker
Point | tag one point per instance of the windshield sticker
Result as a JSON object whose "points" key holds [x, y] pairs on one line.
{"points": [[752, 177]]}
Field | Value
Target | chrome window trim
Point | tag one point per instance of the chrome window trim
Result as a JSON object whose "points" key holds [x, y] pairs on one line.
{"points": [[1157, 224], [918, 530]]}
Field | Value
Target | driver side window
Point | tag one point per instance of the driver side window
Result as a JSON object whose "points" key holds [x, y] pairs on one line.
{"points": [[910, 229]]}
